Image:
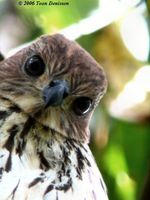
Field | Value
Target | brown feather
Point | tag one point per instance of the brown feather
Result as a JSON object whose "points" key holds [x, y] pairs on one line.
{"points": [[65, 60]]}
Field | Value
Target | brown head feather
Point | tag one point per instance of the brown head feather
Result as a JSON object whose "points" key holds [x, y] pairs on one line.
{"points": [[65, 60]]}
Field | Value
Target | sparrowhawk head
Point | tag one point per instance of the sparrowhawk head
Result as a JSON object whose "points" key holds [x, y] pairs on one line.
{"points": [[56, 82]]}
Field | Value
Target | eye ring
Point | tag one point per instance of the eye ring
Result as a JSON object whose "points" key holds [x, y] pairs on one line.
{"points": [[34, 66], [82, 105]]}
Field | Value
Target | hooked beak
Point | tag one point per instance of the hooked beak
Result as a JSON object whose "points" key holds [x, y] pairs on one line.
{"points": [[55, 93]]}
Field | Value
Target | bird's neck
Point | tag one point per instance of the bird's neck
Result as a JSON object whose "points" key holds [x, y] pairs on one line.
{"points": [[37, 146]]}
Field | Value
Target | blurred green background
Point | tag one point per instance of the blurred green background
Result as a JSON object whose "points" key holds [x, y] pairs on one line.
{"points": [[117, 34]]}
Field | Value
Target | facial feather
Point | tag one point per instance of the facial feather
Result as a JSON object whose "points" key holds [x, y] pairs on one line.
{"points": [[64, 60]]}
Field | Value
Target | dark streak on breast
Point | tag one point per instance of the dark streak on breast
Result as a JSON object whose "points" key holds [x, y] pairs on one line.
{"points": [[1, 172], [29, 123], [87, 162], [21, 145], [66, 154], [82, 146], [14, 108], [35, 181], [63, 172], [9, 144], [102, 184], [57, 195], [81, 159], [65, 187], [8, 163], [68, 172], [59, 175], [43, 162], [94, 195], [3, 115], [70, 144], [80, 162], [10, 141], [14, 190], [48, 189]]}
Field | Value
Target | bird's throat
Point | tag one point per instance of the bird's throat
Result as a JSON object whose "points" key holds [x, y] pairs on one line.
{"points": [[23, 137]]}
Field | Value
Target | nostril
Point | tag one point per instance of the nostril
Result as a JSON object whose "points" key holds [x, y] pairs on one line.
{"points": [[60, 83], [54, 83]]}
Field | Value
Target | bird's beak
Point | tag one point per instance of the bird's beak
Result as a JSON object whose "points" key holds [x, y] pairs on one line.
{"points": [[55, 92]]}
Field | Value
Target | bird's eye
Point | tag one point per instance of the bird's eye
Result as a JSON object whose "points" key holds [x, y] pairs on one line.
{"points": [[82, 105], [34, 66]]}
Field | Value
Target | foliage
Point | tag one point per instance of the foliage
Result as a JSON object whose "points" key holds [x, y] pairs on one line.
{"points": [[53, 18]]}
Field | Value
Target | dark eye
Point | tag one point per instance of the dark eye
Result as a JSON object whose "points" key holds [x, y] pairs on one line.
{"points": [[34, 66], [82, 105]]}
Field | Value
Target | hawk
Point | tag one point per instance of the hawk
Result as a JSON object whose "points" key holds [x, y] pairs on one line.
{"points": [[48, 92]]}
